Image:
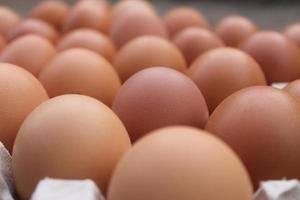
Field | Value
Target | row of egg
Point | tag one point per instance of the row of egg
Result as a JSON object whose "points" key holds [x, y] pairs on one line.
{"points": [[110, 53]]}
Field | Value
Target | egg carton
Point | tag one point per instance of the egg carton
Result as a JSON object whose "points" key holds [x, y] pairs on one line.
{"points": [[49, 189]]}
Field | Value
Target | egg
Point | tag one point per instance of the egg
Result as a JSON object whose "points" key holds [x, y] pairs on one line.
{"points": [[53, 12], [31, 52], [223, 71], [235, 29], [194, 41], [145, 52], [9, 19], [20, 93], [183, 17], [88, 14], [2, 43], [276, 54], [68, 137], [294, 88], [136, 22], [261, 124], [81, 71], [180, 163], [34, 26], [89, 39], [158, 97], [293, 32]]}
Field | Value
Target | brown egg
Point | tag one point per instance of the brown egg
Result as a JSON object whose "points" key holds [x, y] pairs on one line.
{"points": [[136, 22], [20, 93], [293, 33], [183, 17], [34, 26], [276, 54], [235, 29], [262, 125], [89, 39], [294, 88], [158, 97], [223, 71], [51, 11], [195, 41], [68, 137], [31, 52], [81, 71], [9, 19], [147, 51], [2, 43], [180, 163], [89, 14]]}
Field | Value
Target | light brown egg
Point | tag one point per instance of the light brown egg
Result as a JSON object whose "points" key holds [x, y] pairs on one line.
{"points": [[194, 41], [53, 12], [68, 137], [278, 56], [262, 125], [158, 97], [31, 52], [294, 88], [9, 19], [136, 22], [223, 71], [147, 51], [2, 43], [183, 17], [293, 33], [89, 39], [89, 14], [180, 163], [81, 71], [20, 93], [34, 26], [235, 29]]}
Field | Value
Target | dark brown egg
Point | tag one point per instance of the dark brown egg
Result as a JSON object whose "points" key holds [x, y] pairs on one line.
{"points": [[293, 32], [278, 56], [9, 19], [158, 97], [183, 17], [223, 71], [294, 88], [262, 125], [235, 29], [194, 41]]}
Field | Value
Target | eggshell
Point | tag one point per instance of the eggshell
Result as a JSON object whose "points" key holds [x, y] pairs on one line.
{"points": [[293, 33], [20, 93], [145, 52], [136, 22], [81, 71], [2, 43], [89, 39], [89, 14], [294, 88], [53, 12], [235, 29], [262, 125], [31, 52], [223, 71], [194, 41], [158, 97], [34, 26], [180, 163], [276, 54], [9, 19], [183, 17], [68, 137]]}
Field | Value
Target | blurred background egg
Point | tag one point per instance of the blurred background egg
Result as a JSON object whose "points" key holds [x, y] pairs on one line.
{"points": [[293, 33], [223, 71], [194, 41], [2, 43], [158, 97], [145, 52], [180, 163], [182, 17], [89, 39], [9, 19], [278, 56], [68, 137], [53, 12], [235, 29], [262, 125], [20, 93], [81, 71], [294, 88], [31, 52]]}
